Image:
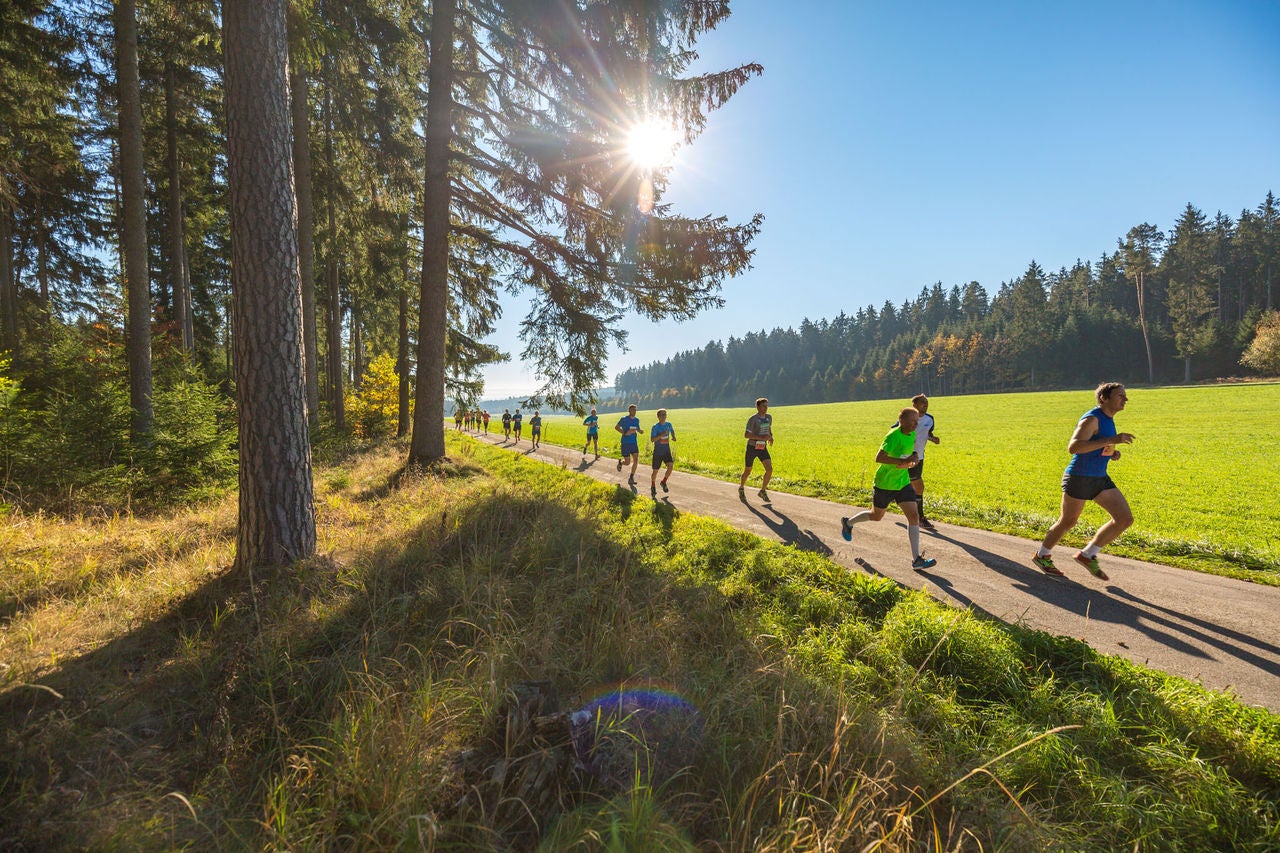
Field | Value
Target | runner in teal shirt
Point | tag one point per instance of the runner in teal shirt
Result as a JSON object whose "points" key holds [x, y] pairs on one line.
{"points": [[661, 436]]}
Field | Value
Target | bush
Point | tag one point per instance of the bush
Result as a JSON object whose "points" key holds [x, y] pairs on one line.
{"points": [[1263, 354], [374, 412]]}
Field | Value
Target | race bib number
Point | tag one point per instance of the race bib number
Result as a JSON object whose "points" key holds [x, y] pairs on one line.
{"points": [[760, 445]]}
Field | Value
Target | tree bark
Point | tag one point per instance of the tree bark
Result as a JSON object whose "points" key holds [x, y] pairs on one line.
{"points": [[8, 287], [277, 515], [179, 283], [1142, 321], [334, 330], [306, 237], [402, 350], [427, 445], [357, 347], [137, 330]]}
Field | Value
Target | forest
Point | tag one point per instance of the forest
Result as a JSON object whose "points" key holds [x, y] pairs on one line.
{"points": [[1171, 306], [404, 168]]}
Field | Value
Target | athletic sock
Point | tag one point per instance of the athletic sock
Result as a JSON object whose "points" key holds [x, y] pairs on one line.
{"points": [[1090, 551], [865, 515], [913, 533], [1043, 551]]}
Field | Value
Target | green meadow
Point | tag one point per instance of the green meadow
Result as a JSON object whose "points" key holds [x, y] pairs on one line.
{"points": [[1202, 475]]}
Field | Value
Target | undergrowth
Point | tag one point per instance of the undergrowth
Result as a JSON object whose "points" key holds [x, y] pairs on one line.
{"points": [[152, 699]]}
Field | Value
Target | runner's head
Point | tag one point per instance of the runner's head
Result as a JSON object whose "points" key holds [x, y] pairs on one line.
{"points": [[762, 404], [662, 414], [908, 418], [631, 409], [921, 403]]}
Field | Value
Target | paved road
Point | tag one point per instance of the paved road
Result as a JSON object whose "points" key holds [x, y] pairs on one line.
{"points": [[1219, 631]]}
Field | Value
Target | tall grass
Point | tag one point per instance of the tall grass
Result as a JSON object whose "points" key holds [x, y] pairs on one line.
{"points": [[368, 699], [1201, 499]]}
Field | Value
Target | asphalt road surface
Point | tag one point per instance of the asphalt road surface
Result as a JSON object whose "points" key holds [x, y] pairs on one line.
{"points": [[1221, 632]]}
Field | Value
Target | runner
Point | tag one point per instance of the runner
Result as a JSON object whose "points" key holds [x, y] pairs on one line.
{"points": [[924, 435], [1092, 448], [629, 426], [457, 419], [661, 436], [759, 437], [896, 456], [506, 424], [517, 420], [535, 428], [485, 417], [592, 423]]}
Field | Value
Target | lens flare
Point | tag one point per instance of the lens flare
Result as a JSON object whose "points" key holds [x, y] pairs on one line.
{"points": [[652, 143]]}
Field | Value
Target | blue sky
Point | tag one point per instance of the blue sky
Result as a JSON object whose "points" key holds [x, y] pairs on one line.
{"points": [[894, 145]]}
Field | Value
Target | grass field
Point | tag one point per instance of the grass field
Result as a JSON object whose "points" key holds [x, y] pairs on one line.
{"points": [[369, 698], [1203, 475]]}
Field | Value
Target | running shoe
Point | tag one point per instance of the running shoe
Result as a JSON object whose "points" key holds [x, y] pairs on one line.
{"points": [[764, 494], [1091, 563], [619, 464], [926, 524], [846, 529], [664, 486], [923, 562], [1045, 564], [742, 491], [653, 491]]}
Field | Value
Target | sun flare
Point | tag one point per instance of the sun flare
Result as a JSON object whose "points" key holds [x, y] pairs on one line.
{"points": [[651, 143]]}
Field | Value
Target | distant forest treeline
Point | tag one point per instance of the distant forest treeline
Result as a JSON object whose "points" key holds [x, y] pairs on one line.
{"points": [[1160, 308]]}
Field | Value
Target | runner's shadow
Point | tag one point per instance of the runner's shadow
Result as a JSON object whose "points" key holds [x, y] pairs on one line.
{"points": [[789, 532], [1094, 605]]}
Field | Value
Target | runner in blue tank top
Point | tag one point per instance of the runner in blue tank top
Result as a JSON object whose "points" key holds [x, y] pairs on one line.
{"points": [[1093, 446]]}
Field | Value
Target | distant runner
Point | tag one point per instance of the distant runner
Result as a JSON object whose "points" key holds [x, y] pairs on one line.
{"points": [[896, 456], [1093, 447], [759, 435], [629, 426], [517, 421], [924, 435], [485, 417], [506, 423], [661, 436], [535, 427], [592, 423], [457, 419]]}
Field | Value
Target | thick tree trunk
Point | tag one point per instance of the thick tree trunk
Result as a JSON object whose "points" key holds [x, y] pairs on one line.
{"points": [[306, 237], [277, 515], [179, 282], [137, 330], [427, 444]]}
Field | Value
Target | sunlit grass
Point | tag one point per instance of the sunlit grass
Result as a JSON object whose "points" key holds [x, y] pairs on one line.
{"points": [[1200, 501], [361, 699]]}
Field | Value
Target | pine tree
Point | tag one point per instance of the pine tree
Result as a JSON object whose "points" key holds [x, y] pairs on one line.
{"points": [[1138, 252], [1187, 265], [536, 173]]}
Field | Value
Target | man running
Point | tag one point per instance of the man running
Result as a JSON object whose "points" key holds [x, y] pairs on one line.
{"points": [[661, 437], [517, 423], [896, 456], [535, 428], [1092, 448], [759, 437], [629, 426], [506, 423], [924, 435], [457, 419], [592, 423], [484, 416]]}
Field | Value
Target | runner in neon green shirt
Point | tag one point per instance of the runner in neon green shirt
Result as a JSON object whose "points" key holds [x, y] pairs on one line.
{"points": [[893, 485]]}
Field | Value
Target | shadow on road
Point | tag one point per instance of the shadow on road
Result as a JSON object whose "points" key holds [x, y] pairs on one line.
{"points": [[788, 531]]}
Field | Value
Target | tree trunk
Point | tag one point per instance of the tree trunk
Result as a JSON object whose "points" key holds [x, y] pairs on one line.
{"points": [[179, 283], [137, 330], [357, 347], [1142, 321], [402, 361], [306, 237], [277, 515], [8, 287], [427, 444], [335, 295]]}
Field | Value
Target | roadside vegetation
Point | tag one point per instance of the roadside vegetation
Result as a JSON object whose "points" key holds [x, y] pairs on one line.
{"points": [[1001, 459], [379, 695]]}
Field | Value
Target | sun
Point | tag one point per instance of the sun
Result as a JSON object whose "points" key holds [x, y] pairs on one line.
{"points": [[651, 143]]}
